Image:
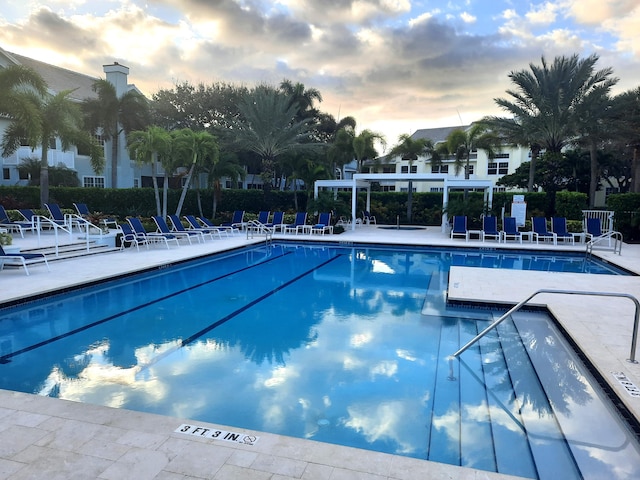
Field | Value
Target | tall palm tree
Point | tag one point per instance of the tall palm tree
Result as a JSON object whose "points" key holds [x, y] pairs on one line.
{"points": [[189, 149], [146, 147], [22, 88], [461, 143], [410, 149], [364, 146], [115, 115], [548, 100], [226, 165], [268, 127], [302, 97], [50, 116]]}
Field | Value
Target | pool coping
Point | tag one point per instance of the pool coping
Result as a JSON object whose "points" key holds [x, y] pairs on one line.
{"points": [[40, 434]]}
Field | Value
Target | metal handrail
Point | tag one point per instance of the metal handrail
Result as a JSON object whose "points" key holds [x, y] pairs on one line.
{"points": [[40, 220], [253, 227], [617, 245], [634, 336]]}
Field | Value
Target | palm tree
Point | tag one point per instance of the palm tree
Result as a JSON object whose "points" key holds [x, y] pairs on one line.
{"points": [[22, 89], [50, 116], [115, 115], [227, 166], [364, 146], [626, 128], [549, 99], [409, 149], [268, 127], [302, 98], [461, 143], [145, 147], [189, 149]]}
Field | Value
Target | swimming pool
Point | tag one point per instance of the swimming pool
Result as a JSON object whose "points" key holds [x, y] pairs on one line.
{"points": [[341, 345]]}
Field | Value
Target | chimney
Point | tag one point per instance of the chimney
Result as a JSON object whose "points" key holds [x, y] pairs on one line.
{"points": [[117, 76]]}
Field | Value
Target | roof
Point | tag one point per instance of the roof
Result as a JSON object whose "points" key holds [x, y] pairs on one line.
{"points": [[59, 79], [437, 135]]}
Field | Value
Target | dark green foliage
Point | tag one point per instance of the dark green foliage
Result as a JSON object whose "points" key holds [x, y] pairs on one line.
{"points": [[570, 205], [627, 214]]}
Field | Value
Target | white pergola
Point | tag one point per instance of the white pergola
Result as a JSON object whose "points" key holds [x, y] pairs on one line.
{"points": [[363, 180]]}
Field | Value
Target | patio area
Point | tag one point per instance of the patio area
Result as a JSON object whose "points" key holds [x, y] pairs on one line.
{"points": [[42, 437]]}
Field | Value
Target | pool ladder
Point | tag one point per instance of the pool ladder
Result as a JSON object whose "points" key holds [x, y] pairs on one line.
{"points": [[256, 228], [612, 235], [634, 337]]}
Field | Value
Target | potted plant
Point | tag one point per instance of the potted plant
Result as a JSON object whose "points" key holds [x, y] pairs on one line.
{"points": [[5, 239]]}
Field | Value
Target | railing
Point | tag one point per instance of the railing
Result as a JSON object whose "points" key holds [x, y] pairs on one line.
{"points": [[634, 338], [253, 228], [608, 236], [39, 221]]}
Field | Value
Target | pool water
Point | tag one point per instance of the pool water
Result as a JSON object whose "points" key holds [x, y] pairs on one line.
{"points": [[341, 345]]}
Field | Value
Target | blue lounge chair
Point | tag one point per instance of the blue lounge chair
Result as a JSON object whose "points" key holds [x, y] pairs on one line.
{"points": [[298, 225], [212, 229], [263, 217], [21, 259], [163, 227], [129, 236], [460, 227], [559, 227], [237, 221], [490, 228], [540, 231], [323, 225], [13, 226], [277, 223], [206, 223], [56, 216], [178, 227], [84, 212], [368, 218], [141, 233], [510, 230]]}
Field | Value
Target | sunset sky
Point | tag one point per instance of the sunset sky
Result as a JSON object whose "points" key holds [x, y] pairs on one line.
{"points": [[395, 65]]}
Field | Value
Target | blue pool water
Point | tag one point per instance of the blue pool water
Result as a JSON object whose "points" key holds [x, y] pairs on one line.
{"points": [[340, 345]]}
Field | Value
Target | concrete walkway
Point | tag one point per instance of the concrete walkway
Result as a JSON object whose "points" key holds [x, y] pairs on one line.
{"points": [[49, 438]]}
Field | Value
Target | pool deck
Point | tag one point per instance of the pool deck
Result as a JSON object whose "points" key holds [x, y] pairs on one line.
{"points": [[42, 437]]}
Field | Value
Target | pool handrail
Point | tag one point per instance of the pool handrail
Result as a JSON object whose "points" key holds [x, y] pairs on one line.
{"points": [[634, 335]]}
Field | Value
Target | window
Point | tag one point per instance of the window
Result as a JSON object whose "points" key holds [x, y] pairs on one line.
{"points": [[95, 182], [441, 169], [414, 169], [492, 168], [470, 169], [136, 183], [501, 155], [404, 169], [23, 174], [6, 174], [437, 189], [388, 188], [503, 168], [389, 169]]}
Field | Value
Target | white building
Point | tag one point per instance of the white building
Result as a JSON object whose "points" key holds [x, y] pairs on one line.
{"points": [[480, 166], [59, 79]]}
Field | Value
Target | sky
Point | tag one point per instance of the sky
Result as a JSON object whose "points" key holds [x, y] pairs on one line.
{"points": [[396, 66]]}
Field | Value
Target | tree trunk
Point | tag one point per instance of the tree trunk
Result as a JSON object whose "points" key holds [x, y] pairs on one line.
{"points": [[114, 159], [44, 175], [593, 182], [185, 187], [635, 172], [532, 169], [165, 194], [156, 192], [410, 202]]}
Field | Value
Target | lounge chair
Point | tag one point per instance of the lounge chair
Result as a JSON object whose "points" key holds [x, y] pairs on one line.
{"points": [[163, 227], [490, 228], [559, 227], [237, 220], [13, 226], [298, 225], [129, 236], [84, 212], [206, 223], [540, 231], [460, 227], [178, 227], [56, 216], [510, 230], [21, 259], [263, 217], [323, 225], [368, 218], [141, 233], [277, 222], [194, 224]]}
